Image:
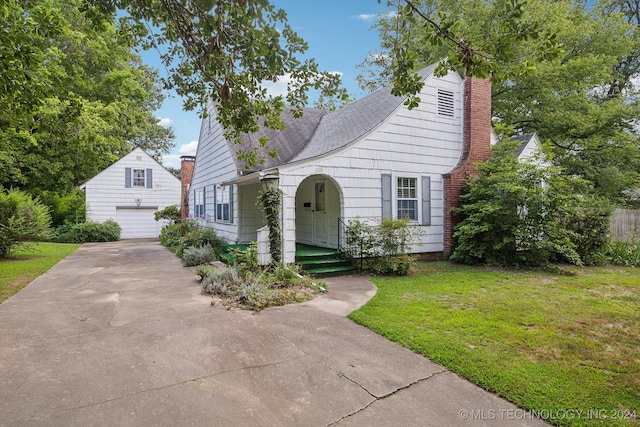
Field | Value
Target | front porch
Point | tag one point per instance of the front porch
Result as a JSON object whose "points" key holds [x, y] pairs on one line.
{"points": [[313, 260]]}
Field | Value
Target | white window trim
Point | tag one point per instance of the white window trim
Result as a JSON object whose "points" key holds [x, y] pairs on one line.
{"points": [[134, 177], [223, 197], [417, 198]]}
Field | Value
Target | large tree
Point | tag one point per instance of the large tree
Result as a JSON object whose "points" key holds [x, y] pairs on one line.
{"points": [[580, 100], [74, 98]]}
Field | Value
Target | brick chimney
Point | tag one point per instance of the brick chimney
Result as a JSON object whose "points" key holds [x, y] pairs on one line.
{"points": [[186, 172], [476, 148]]}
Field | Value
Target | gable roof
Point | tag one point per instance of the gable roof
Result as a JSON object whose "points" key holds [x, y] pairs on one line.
{"points": [[320, 132], [135, 152], [523, 140]]}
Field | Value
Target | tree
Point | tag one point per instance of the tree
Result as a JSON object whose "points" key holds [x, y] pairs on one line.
{"points": [[223, 52], [23, 219], [75, 99], [520, 214], [580, 100]]}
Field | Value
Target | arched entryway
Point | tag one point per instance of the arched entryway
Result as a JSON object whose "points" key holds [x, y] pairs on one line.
{"points": [[318, 208]]}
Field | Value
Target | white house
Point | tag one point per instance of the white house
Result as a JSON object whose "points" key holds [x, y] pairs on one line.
{"points": [[130, 191], [372, 159]]}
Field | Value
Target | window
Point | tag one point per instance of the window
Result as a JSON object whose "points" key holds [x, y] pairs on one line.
{"points": [[223, 209], [407, 198], [199, 209], [138, 177], [445, 103]]}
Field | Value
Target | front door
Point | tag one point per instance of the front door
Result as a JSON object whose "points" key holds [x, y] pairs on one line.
{"points": [[320, 213]]}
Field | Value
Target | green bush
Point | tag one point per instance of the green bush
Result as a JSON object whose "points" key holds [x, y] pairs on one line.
{"points": [[519, 214], [23, 219], [170, 213], [67, 208], [622, 253], [185, 234], [197, 255], [108, 231], [383, 247]]}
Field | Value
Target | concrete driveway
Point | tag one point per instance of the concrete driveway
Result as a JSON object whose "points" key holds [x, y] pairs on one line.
{"points": [[118, 334]]}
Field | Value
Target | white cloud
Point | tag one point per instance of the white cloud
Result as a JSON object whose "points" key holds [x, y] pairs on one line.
{"points": [[188, 149], [173, 160], [371, 17], [165, 122], [367, 17], [279, 87]]}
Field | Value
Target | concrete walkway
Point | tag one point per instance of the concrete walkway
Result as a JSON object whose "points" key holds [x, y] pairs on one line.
{"points": [[118, 334]]}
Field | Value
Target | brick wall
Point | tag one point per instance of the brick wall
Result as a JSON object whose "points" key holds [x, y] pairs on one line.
{"points": [[476, 148], [186, 172]]}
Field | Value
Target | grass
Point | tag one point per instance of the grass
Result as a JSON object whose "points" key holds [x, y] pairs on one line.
{"points": [[549, 342], [25, 265]]}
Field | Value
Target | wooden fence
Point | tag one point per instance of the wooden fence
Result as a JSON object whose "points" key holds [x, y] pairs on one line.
{"points": [[625, 225]]}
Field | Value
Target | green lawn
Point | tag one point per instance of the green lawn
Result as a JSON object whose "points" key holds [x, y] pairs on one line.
{"points": [[27, 264], [547, 342]]}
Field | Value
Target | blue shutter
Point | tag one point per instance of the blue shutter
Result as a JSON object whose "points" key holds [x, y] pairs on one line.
{"points": [[149, 178], [215, 204], [426, 200], [231, 203], [127, 177], [387, 206]]}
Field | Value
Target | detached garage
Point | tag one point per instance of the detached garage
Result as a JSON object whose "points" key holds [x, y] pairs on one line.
{"points": [[130, 192]]}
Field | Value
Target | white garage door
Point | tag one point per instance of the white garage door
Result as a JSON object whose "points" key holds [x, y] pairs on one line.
{"points": [[137, 223]]}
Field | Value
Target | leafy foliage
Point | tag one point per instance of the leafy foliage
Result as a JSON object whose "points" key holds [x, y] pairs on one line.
{"points": [[270, 201], [75, 98], [568, 74], [23, 219], [107, 231], [518, 213], [385, 247], [197, 255], [185, 234], [169, 213]]}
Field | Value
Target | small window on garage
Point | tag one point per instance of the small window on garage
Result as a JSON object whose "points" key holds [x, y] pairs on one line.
{"points": [[138, 177]]}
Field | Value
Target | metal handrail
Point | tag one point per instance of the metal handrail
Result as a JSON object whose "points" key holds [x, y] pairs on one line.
{"points": [[352, 250]]}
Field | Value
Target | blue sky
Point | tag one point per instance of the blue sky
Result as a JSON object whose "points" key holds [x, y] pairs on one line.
{"points": [[339, 36]]}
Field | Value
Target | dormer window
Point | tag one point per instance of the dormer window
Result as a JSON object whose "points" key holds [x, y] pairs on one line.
{"points": [[445, 103]]}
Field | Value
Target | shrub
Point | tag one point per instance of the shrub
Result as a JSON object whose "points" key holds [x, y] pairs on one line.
{"points": [[622, 253], [67, 208], [219, 281], [520, 214], [185, 234], [384, 247], [278, 285], [23, 219], [197, 255], [108, 231], [170, 213], [246, 260]]}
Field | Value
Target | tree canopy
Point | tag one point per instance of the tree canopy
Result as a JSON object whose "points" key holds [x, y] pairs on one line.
{"points": [[73, 97], [563, 69]]}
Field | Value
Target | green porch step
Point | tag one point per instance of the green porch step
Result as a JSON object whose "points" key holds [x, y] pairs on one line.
{"points": [[322, 261]]}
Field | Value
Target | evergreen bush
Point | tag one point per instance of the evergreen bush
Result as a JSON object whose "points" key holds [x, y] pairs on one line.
{"points": [[23, 219]]}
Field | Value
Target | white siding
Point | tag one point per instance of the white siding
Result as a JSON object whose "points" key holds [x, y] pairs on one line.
{"points": [[106, 192], [411, 143], [214, 165]]}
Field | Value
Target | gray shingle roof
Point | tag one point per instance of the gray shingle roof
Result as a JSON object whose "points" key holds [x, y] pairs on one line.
{"points": [[320, 132], [523, 140]]}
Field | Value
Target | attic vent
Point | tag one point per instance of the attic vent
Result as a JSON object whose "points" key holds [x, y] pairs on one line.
{"points": [[445, 103]]}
